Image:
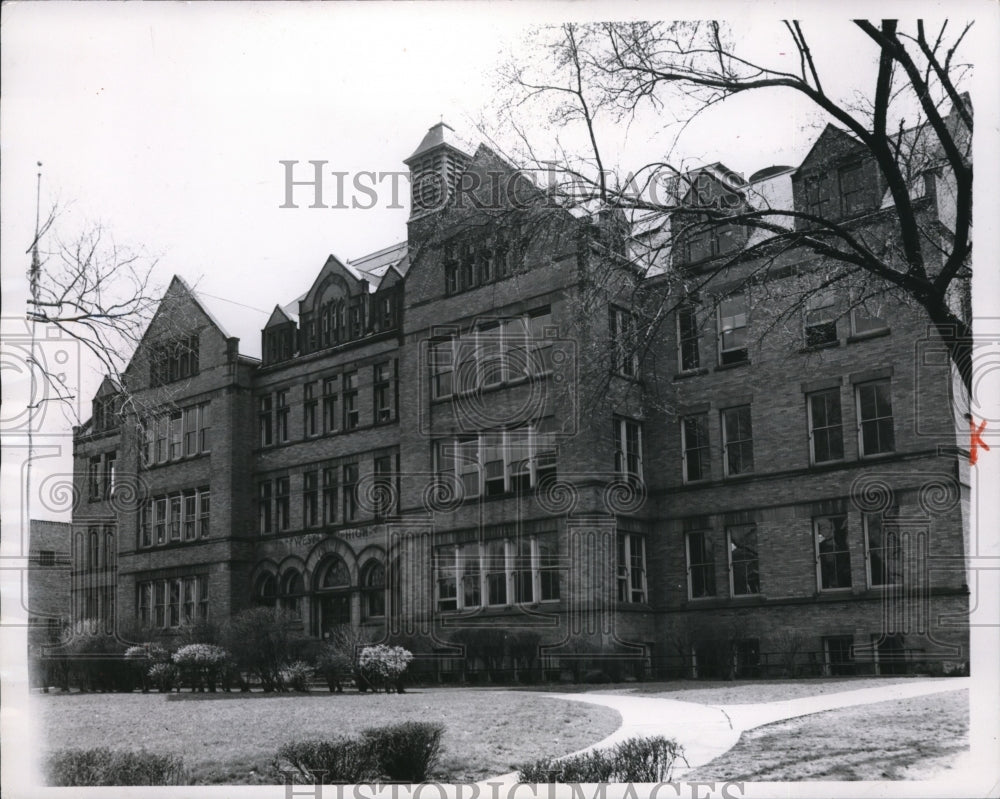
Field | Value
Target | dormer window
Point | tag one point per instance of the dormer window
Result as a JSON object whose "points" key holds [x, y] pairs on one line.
{"points": [[853, 191]]}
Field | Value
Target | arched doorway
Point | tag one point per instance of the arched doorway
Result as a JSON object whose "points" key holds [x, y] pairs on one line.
{"points": [[372, 590], [333, 592]]}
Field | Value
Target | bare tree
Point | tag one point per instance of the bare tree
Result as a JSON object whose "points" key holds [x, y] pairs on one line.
{"points": [[913, 121]]}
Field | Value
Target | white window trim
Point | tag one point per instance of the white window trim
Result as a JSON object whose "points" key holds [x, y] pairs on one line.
{"points": [[684, 450], [687, 552], [729, 559], [854, 324], [625, 354], [816, 554], [860, 422], [624, 569], [719, 330], [621, 428], [680, 341], [812, 428], [725, 440], [462, 466], [865, 518]]}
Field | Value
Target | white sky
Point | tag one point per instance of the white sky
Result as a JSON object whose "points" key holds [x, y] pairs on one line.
{"points": [[167, 121]]}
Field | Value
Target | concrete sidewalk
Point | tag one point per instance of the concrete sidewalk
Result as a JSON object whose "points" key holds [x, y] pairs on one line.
{"points": [[707, 731]]}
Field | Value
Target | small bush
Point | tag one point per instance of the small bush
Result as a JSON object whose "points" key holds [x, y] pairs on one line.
{"points": [[596, 677], [201, 664], [383, 666], [337, 761], [296, 676], [634, 760], [406, 752], [163, 676], [103, 766]]}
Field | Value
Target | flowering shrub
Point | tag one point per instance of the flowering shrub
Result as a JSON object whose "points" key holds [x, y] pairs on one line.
{"points": [[296, 676], [163, 676], [103, 766], [201, 664], [383, 666]]}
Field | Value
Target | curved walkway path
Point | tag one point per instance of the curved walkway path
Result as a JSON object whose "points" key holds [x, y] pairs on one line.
{"points": [[707, 731]]}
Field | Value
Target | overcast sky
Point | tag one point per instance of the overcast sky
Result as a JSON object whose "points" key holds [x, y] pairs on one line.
{"points": [[167, 121]]}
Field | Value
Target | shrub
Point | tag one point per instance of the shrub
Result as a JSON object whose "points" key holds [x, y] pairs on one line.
{"points": [[296, 676], [201, 664], [634, 760], [335, 761], [406, 752], [103, 766], [383, 666], [262, 641], [163, 676], [596, 677]]}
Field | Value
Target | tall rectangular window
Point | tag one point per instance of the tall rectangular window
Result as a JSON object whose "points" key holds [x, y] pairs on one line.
{"points": [[382, 391], [826, 436], [631, 568], [350, 492], [701, 565], [204, 512], [737, 441], [329, 495], [885, 563], [176, 434], [853, 191], [94, 478], [310, 499], [496, 572], [468, 561], [190, 515], [351, 417], [264, 506], [110, 472], [694, 445], [624, 343], [191, 430], [490, 343], [688, 338], [442, 366], [160, 523], [733, 330], [833, 556], [628, 449], [162, 424], [821, 319], [205, 426], [144, 603], [329, 404], [744, 566], [548, 570], [160, 603], [282, 503], [310, 410], [875, 429], [202, 582], [175, 517], [264, 421], [281, 416], [384, 489], [524, 582], [447, 578]]}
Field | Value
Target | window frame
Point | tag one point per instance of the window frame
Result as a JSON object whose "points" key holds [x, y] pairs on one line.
{"points": [[867, 519], [723, 358], [841, 529], [624, 456], [733, 561], [706, 565], [630, 548], [877, 420], [685, 339], [727, 443], [704, 451], [813, 428], [819, 320]]}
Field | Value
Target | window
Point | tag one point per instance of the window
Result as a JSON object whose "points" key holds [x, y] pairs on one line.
{"points": [[524, 581], [496, 572], [854, 195], [548, 570], [281, 417], [264, 419], [282, 503], [737, 441], [631, 568], [190, 515], [292, 591], [173, 360], [447, 582], [386, 305], [351, 418], [875, 431], [174, 607], [176, 435], [160, 603], [821, 319], [189, 595], [838, 655], [264, 506], [826, 438], [624, 343], [372, 590], [161, 440], [191, 430], [310, 499], [744, 568], [160, 525], [356, 319], [266, 593], [108, 482], [817, 194], [701, 565], [46, 557], [329, 404], [204, 512], [309, 410], [833, 557], [143, 602], [329, 495], [175, 517], [205, 426], [382, 392], [733, 330], [499, 462], [350, 492], [469, 572], [864, 321], [885, 566], [442, 368], [688, 337], [628, 449], [696, 456], [492, 371], [384, 492], [94, 478]]}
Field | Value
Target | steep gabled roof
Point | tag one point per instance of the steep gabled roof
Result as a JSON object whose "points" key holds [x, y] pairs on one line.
{"points": [[278, 317], [831, 139], [233, 319], [437, 135]]}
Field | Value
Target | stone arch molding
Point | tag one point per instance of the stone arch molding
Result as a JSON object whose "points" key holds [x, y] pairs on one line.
{"points": [[322, 551]]}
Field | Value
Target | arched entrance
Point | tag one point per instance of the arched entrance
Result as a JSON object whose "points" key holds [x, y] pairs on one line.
{"points": [[333, 595]]}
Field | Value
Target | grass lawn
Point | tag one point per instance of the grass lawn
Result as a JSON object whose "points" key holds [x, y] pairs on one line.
{"points": [[905, 739], [232, 739], [743, 692]]}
